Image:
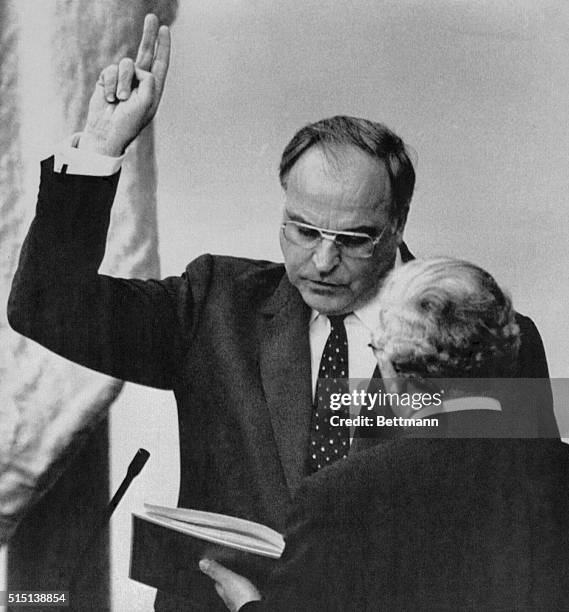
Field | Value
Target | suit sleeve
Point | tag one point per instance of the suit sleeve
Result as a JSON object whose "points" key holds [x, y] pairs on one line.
{"points": [[305, 579], [129, 329]]}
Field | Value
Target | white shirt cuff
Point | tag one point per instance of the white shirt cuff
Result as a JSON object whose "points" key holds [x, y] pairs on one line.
{"points": [[86, 163]]}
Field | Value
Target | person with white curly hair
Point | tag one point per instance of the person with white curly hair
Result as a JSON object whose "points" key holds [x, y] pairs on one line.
{"points": [[445, 325], [446, 318]]}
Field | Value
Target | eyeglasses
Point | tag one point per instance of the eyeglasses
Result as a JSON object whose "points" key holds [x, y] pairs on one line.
{"points": [[351, 244]]}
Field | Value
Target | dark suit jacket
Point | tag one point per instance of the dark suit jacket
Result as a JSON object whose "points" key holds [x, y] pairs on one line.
{"points": [[229, 337], [430, 525]]}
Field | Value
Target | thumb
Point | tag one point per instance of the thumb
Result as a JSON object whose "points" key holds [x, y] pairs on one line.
{"points": [[146, 85], [214, 570]]}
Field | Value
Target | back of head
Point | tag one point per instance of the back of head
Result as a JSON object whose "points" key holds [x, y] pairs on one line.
{"points": [[371, 137], [446, 318]]}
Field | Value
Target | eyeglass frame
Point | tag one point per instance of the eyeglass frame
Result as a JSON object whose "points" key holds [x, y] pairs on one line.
{"points": [[334, 234]]}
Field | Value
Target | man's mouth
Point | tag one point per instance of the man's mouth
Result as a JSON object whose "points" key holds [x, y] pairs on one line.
{"points": [[324, 284]]}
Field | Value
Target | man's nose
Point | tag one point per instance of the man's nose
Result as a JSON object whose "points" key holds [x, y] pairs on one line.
{"points": [[326, 256]]}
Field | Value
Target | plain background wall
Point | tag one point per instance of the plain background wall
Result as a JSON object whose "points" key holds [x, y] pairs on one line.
{"points": [[479, 89]]}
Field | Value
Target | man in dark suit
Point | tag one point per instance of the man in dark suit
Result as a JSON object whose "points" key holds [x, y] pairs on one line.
{"points": [[238, 341]]}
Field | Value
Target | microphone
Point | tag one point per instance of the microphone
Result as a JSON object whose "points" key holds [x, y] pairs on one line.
{"points": [[136, 465]]}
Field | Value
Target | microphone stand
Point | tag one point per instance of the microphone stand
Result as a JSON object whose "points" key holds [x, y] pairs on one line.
{"points": [[136, 465]]}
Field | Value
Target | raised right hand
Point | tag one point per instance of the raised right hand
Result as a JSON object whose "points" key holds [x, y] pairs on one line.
{"points": [[119, 108]]}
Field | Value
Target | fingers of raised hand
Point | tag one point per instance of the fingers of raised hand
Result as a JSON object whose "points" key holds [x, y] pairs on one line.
{"points": [[108, 81], [161, 58], [147, 45], [116, 80], [124, 79], [154, 51]]}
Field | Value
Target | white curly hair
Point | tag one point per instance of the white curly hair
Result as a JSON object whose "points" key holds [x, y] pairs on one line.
{"points": [[446, 318]]}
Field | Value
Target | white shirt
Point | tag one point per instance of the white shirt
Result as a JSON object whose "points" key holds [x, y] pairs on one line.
{"points": [[79, 161]]}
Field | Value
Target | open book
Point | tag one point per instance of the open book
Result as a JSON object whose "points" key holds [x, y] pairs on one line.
{"points": [[218, 528], [167, 544]]}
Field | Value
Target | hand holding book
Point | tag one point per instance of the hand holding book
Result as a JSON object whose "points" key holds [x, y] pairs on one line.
{"points": [[168, 543], [235, 590]]}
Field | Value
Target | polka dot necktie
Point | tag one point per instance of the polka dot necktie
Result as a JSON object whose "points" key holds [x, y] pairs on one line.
{"points": [[329, 443]]}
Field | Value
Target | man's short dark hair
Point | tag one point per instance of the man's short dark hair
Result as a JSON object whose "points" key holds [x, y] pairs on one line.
{"points": [[374, 138]]}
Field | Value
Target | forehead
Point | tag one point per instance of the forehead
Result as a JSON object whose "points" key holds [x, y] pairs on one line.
{"points": [[339, 188]]}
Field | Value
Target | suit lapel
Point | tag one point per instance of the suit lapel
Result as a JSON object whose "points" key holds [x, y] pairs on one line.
{"points": [[285, 372]]}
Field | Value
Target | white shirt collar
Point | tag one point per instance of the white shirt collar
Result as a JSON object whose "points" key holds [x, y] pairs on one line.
{"points": [[368, 314]]}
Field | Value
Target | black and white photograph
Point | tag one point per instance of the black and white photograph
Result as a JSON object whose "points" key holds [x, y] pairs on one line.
{"points": [[284, 305]]}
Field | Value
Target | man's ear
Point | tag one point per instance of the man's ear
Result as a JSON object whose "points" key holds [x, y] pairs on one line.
{"points": [[400, 227]]}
